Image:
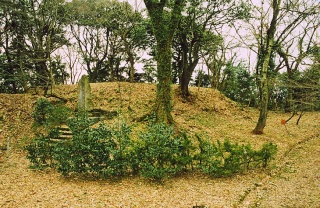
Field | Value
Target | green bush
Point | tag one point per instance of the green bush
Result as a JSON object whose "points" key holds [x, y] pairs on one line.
{"points": [[159, 153], [266, 154], [47, 115], [41, 150], [94, 151], [224, 159], [41, 112], [46, 119], [89, 152], [101, 151]]}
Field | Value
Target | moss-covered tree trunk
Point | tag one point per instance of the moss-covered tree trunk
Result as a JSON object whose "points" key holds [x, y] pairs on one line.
{"points": [[264, 71], [164, 23], [264, 94], [163, 97]]}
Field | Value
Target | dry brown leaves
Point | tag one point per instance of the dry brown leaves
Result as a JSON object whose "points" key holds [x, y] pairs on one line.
{"points": [[292, 182]]}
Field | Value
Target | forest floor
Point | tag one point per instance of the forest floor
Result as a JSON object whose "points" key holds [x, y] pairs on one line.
{"points": [[291, 180]]}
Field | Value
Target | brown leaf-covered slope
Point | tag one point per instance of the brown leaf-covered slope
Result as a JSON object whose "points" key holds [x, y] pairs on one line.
{"points": [[291, 181]]}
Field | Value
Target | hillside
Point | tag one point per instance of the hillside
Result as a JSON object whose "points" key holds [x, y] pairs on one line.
{"points": [[292, 181]]}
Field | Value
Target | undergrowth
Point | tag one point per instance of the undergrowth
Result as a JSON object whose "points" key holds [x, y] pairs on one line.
{"points": [[157, 153]]}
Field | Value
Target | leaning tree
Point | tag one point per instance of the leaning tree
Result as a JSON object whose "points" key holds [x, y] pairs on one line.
{"points": [[265, 60]]}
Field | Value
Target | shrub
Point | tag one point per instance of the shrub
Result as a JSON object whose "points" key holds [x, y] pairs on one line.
{"points": [[224, 159], [266, 154], [159, 153], [47, 115], [42, 111], [89, 152], [46, 118], [100, 151], [41, 150]]}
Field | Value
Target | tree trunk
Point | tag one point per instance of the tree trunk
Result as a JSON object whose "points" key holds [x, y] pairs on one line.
{"points": [[164, 29], [290, 107], [10, 66], [264, 95], [131, 66], [163, 98], [185, 77], [264, 71], [190, 59], [184, 82], [42, 73]]}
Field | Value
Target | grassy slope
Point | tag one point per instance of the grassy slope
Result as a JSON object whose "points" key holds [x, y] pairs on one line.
{"points": [[293, 182]]}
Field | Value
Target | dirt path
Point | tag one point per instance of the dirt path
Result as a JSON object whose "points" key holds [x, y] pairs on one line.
{"points": [[22, 187], [294, 183]]}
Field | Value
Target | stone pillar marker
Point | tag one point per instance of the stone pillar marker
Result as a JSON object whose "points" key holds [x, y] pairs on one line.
{"points": [[84, 94]]}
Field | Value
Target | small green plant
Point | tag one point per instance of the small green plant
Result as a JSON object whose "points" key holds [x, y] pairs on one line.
{"points": [[47, 115], [46, 119], [41, 112], [101, 151], [225, 158], [267, 153], [160, 153], [41, 150], [157, 153], [89, 152]]}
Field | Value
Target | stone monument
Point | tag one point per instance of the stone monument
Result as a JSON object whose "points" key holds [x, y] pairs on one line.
{"points": [[84, 94]]}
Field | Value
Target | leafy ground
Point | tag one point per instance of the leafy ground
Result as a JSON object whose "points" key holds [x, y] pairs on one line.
{"points": [[292, 180]]}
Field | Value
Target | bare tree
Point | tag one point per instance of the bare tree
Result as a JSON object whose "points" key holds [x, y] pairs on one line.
{"points": [[75, 67]]}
